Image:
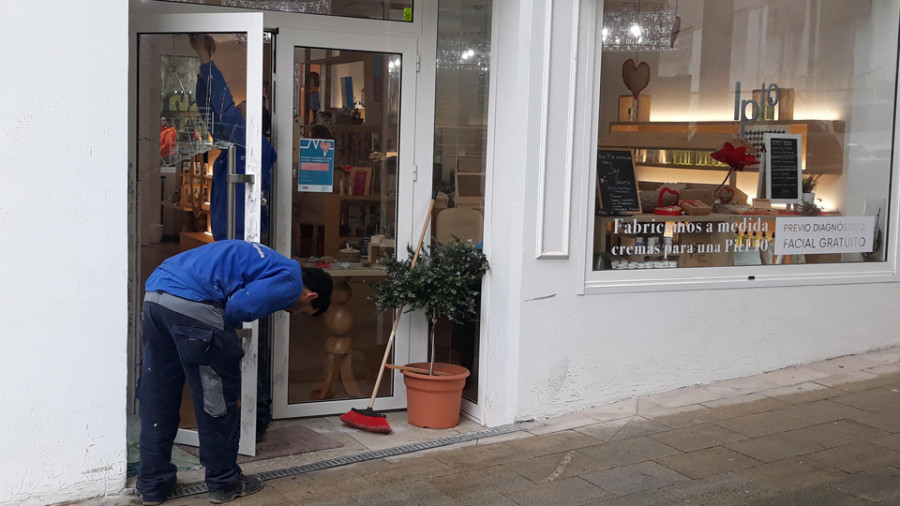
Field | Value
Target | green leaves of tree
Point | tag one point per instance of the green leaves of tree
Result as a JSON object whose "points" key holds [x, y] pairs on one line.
{"points": [[445, 282]]}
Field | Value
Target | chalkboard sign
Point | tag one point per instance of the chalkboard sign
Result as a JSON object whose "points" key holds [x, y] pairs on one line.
{"points": [[784, 177], [617, 189]]}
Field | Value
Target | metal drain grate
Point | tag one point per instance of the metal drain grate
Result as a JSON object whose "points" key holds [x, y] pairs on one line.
{"points": [[200, 488]]}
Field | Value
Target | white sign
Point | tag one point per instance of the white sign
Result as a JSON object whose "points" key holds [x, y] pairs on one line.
{"points": [[813, 235]]}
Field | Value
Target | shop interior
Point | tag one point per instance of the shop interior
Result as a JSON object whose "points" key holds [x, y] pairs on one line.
{"points": [[350, 99], [681, 79]]}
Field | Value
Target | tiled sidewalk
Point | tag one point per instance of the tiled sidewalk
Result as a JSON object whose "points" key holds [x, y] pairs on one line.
{"points": [[822, 434]]}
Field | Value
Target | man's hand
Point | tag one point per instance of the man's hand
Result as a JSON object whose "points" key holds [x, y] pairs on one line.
{"points": [[204, 45]]}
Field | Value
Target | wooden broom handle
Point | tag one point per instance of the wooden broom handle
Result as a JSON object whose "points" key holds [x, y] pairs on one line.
{"points": [[387, 350], [415, 369]]}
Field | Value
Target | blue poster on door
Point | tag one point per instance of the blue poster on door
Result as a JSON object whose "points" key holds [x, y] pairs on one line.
{"points": [[316, 171]]}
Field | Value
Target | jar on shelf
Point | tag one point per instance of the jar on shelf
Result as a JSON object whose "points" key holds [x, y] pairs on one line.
{"points": [[345, 185]]}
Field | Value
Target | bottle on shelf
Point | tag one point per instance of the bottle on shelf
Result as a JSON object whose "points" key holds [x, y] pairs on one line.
{"points": [[653, 245]]}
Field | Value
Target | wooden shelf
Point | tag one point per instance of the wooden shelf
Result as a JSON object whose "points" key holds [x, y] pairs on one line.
{"points": [[822, 144], [188, 240], [715, 217], [180, 207], [191, 184], [751, 168], [177, 207], [363, 128]]}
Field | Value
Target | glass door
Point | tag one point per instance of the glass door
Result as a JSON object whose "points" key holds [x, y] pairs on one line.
{"points": [[178, 181], [345, 114]]}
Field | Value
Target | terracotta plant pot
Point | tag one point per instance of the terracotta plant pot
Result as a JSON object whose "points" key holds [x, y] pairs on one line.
{"points": [[434, 401]]}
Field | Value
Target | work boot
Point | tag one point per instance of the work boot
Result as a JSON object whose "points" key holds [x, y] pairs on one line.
{"points": [[246, 485], [156, 499]]}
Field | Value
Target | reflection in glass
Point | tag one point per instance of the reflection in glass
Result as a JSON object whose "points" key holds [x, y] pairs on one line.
{"points": [[640, 26], [176, 150], [463, 72], [387, 10], [741, 73], [182, 133], [344, 182]]}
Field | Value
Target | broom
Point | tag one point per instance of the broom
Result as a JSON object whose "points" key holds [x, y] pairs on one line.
{"points": [[368, 419]]}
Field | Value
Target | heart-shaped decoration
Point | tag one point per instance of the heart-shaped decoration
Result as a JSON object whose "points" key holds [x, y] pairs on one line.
{"points": [[725, 194], [663, 192], [636, 77]]}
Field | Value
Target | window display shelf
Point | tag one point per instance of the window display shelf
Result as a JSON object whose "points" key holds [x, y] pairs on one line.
{"points": [[687, 145], [181, 207], [189, 240], [193, 191], [713, 240]]}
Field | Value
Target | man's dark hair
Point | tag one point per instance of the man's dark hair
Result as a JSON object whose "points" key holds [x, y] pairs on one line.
{"points": [[320, 282]]}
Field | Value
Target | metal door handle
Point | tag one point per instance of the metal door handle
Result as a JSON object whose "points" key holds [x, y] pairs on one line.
{"points": [[234, 179]]}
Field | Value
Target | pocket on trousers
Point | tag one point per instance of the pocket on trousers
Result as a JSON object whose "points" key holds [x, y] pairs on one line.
{"points": [[195, 343], [213, 393]]}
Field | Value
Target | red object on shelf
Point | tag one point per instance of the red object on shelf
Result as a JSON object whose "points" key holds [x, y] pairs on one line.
{"points": [[361, 183], [734, 157], [667, 210]]}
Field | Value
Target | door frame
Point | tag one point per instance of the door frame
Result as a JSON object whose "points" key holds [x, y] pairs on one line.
{"points": [[250, 23], [415, 150]]}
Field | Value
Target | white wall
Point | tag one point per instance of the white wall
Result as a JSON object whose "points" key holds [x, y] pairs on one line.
{"points": [[576, 351], [503, 237], [63, 226]]}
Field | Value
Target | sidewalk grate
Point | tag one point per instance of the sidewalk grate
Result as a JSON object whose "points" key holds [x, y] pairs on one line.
{"points": [[200, 488]]}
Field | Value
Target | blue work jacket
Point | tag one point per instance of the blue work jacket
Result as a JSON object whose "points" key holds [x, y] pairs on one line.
{"points": [[246, 279], [226, 123]]}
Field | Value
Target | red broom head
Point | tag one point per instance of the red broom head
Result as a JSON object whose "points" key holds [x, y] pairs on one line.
{"points": [[366, 419]]}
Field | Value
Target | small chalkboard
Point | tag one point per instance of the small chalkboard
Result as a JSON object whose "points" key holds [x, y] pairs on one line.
{"points": [[784, 176], [617, 189]]}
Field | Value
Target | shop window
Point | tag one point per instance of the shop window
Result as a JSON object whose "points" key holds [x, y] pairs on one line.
{"points": [[743, 134], [394, 10], [460, 130]]}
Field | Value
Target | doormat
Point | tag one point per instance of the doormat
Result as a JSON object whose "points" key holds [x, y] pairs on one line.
{"points": [[282, 441]]}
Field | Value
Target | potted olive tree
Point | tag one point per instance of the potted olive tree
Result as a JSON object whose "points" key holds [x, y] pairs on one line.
{"points": [[444, 283]]}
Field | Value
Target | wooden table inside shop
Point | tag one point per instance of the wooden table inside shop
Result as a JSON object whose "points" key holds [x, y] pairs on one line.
{"points": [[339, 321]]}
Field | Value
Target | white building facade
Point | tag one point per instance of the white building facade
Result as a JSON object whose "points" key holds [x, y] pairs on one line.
{"points": [[558, 334]]}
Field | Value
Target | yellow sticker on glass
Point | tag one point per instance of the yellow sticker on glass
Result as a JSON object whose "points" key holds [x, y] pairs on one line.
{"points": [[407, 14]]}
